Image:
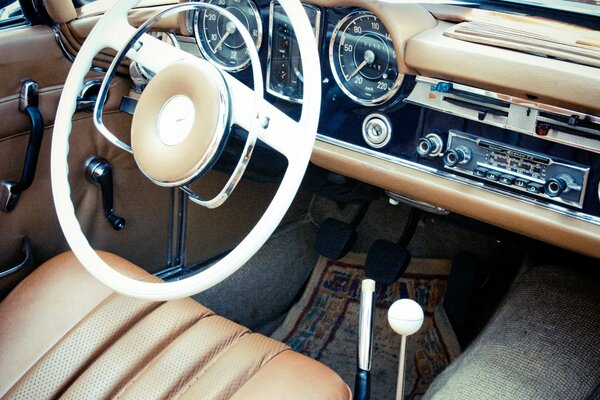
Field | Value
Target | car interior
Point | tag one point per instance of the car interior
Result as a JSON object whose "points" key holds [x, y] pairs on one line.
{"points": [[300, 199]]}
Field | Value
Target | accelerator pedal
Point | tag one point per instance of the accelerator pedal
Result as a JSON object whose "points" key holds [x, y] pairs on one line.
{"points": [[387, 261]]}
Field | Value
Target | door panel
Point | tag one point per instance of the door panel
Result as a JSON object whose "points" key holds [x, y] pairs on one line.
{"points": [[33, 53]]}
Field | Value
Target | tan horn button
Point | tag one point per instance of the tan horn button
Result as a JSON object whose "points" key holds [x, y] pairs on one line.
{"points": [[180, 123]]}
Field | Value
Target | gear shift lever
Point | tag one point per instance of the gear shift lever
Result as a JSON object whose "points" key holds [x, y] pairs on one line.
{"points": [[405, 317], [362, 383]]}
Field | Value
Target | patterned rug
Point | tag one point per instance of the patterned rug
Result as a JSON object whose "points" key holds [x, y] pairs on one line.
{"points": [[324, 324]]}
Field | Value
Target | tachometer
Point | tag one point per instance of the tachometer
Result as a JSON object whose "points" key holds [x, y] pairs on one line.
{"points": [[218, 38], [363, 59]]}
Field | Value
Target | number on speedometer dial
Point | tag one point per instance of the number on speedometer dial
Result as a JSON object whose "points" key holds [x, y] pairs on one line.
{"points": [[218, 38], [363, 59]]}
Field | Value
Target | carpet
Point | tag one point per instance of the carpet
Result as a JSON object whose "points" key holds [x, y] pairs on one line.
{"points": [[542, 343], [324, 324]]}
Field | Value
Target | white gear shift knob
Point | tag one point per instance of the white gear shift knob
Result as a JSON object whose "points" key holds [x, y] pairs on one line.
{"points": [[405, 317]]}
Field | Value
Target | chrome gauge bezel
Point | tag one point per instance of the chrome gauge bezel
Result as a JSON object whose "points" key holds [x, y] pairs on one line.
{"points": [[339, 80], [317, 29], [207, 55]]}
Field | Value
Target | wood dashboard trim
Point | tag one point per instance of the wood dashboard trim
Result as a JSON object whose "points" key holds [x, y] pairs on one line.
{"points": [[526, 219]]}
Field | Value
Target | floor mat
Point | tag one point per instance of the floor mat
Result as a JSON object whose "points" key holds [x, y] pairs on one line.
{"points": [[324, 324]]}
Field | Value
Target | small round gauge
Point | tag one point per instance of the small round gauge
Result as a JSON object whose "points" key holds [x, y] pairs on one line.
{"points": [[217, 37], [363, 59]]}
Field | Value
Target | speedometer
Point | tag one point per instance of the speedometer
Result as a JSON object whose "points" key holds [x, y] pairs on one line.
{"points": [[218, 39], [363, 60]]}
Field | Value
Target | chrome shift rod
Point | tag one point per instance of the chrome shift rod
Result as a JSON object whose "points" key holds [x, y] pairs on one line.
{"points": [[366, 317]]}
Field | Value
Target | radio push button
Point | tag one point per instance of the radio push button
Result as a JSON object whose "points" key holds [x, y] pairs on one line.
{"points": [[522, 183], [492, 175], [480, 172], [535, 188], [507, 179]]}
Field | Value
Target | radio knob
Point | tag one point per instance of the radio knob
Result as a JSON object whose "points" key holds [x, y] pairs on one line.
{"points": [[430, 146], [555, 187], [460, 155]]}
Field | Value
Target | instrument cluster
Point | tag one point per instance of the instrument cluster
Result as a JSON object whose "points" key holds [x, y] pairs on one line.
{"points": [[362, 60]]}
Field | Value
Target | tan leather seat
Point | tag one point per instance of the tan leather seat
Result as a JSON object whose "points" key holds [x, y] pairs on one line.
{"points": [[63, 334]]}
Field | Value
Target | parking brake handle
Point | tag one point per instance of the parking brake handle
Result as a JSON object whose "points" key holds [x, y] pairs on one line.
{"points": [[100, 172]]}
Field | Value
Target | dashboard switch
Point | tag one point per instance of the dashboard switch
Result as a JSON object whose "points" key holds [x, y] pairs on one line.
{"points": [[442, 87], [460, 155], [430, 146], [377, 130]]}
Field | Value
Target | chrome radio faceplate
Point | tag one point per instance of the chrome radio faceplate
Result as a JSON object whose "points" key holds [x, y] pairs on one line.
{"points": [[536, 174]]}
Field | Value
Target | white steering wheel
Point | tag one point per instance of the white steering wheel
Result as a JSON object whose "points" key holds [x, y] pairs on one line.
{"points": [[213, 101]]}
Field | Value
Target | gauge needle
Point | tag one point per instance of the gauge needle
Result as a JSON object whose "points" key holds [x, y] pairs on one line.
{"points": [[368, 58], [230, 29]]}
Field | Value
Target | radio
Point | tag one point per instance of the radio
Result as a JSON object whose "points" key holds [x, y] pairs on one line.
{"points": [[521, 170]]}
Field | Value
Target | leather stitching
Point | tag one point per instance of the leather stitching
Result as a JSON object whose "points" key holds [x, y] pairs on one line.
{"points": [[210, 364], [265, 362], [267, 351], [94, 353], [154, 350], [150, 362]]}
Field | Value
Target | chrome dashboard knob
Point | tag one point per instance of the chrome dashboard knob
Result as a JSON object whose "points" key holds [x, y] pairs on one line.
{"points": [[460, 155], [430, 146]]}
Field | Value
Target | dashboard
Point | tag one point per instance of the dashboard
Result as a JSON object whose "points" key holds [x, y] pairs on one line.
{"points": [[492, 152]]}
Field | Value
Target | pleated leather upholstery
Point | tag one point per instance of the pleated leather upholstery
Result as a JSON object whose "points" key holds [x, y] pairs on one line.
{"points": [[133, 349]]}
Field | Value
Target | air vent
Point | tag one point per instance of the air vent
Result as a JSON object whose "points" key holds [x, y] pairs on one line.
{"points": [[564, 47]]}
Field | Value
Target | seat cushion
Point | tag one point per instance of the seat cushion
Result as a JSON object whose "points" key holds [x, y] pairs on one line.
{"points": [[64, 334]]}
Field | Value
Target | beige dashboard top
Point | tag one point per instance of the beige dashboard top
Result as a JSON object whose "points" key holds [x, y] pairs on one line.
{"points": [[524, 75]]}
